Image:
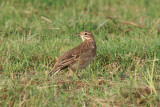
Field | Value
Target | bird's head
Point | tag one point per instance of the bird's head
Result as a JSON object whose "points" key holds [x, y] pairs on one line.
{"points": [[86, 35]]}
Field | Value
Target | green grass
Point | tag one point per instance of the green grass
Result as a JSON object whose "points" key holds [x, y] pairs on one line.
{"points": [[125, 72]]}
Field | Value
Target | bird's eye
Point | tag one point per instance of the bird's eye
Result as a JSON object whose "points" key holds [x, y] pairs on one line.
{"points": [[85, 33]]}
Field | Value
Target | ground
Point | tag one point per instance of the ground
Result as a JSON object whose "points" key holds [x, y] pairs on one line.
{"points": [[125, 71]]}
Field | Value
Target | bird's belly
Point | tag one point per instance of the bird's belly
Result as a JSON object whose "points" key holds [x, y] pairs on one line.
{"points": [[84, 60], [86, 63], [82, 63]]}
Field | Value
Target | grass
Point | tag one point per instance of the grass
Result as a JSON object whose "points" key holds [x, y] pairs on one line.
{"points": [[125, 72]]}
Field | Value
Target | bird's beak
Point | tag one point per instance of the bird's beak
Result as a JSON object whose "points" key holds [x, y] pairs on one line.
{"points": [[77, 34]]}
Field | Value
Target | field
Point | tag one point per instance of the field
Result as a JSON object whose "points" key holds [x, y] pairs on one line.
{"points": [[125, 71]]}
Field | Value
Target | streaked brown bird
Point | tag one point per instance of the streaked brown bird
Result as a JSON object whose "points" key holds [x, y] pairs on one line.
{"points": [[78, 57]]}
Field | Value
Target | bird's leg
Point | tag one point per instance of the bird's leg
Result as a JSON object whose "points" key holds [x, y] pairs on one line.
{"points": [[71, 73], [74, 72]]}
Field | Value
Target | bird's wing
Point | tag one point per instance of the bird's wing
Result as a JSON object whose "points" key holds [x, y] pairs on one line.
{"points": [[69, 57], [65, 60], [62, 63]]}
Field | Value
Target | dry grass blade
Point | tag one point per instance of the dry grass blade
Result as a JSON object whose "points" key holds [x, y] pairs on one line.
{"points": [[157, 22], [131, 23], [27, 12], [152, 60], [128, 30], [46, 19], [52, 28]]}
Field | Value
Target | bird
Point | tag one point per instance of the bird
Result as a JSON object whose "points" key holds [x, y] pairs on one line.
{"points": [[80, 56]]}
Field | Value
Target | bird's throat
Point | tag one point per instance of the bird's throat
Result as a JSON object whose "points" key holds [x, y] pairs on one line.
{"points": [[85, 38]]}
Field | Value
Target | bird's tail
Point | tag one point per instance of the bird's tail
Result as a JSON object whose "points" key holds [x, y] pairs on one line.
{"points": [[51, 72]]}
